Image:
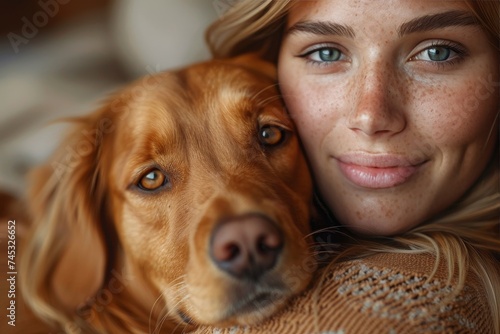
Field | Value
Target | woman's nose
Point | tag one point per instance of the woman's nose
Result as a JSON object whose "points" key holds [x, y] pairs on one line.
{"points": [[378, 102]]}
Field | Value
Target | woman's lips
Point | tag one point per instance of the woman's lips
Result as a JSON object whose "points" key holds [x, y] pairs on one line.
{"points": [[377, 171]]}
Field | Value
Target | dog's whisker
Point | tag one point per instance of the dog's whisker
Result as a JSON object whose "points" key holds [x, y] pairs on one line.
{"points": [[336, 231], [256, 96], [152, 311], [166, 314], [179, 281], [270, 99], [163, 317], [161, 322]]}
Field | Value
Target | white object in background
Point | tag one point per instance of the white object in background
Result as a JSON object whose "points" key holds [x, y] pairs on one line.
{"points": [[155, 35]]}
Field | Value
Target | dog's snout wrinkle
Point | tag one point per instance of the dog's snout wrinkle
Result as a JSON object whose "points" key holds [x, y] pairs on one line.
{"points": [[247, 246]]}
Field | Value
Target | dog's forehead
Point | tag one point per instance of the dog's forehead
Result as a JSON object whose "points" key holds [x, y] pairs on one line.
{"points": [[169, 106], [202, 93], [224, 83]]}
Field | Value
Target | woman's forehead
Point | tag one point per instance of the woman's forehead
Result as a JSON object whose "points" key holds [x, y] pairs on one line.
{"points": [[356, 12]]}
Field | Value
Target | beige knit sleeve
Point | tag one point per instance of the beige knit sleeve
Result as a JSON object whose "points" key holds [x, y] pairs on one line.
{"points": [[389, 293]]}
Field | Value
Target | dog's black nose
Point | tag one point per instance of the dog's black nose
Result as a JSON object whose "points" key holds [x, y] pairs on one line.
{"points": [[246, 246]]}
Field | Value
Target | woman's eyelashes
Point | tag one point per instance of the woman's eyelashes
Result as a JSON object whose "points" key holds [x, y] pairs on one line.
{"points": [[441, 53], [323, 55], [438, 53]]}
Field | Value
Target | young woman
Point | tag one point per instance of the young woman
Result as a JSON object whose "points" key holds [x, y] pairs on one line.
{"points": [[397, 105]]}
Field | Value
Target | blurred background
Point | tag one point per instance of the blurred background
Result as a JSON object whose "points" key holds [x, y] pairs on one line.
{"points": [[62, 57]]}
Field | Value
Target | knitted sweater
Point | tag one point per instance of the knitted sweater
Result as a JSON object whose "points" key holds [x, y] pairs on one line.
{"points": [[384, 293]]}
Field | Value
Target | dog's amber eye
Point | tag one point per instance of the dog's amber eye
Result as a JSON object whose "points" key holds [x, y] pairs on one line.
{"points": [[152, 180], [271, 135]]}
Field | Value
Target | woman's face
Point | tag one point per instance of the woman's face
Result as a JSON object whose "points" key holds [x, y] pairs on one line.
{"points": [[395, 102]]}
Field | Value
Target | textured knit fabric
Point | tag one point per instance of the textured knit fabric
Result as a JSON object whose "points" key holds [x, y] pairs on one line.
{"points": [[386, 293]]}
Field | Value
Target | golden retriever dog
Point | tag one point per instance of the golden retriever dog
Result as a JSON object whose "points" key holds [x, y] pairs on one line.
{"points": [[184, 200]]}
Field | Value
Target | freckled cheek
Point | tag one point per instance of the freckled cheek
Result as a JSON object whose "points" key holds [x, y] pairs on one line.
{"points": [[455, 116], [312, 109]]}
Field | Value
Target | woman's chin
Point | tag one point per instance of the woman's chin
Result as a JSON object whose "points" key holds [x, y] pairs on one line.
{"points": [[378, 226]]}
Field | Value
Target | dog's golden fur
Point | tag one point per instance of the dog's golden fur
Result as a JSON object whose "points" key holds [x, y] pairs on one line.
{"points": [[106, 255]]}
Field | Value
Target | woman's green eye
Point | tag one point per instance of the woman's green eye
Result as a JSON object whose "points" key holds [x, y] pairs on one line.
{"points": [[438, 53], [442, 53], [329, 54], [323, 55]]}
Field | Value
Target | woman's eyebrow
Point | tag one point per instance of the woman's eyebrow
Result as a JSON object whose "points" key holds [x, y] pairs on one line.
{"points": [[419, 24], [324, 28], [437, 21]]}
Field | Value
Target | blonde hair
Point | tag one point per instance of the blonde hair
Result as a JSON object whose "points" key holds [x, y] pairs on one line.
{"points": [[249, 26], [467, 235]]}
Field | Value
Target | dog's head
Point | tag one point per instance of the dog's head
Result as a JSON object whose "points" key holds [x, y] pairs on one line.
{"points": [[188, 193]]}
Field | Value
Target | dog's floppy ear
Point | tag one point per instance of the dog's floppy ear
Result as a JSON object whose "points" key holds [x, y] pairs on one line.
{"points": [[65, 259], [254, 62]]}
